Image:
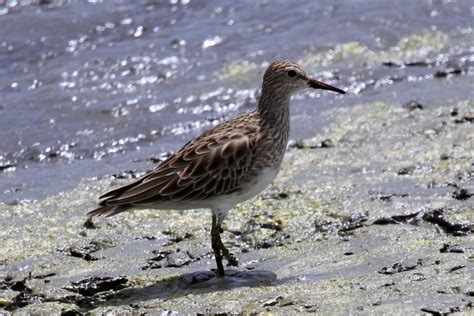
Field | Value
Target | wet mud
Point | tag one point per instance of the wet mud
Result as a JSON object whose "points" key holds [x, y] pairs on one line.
{"points": [[371, 213], [340, 230]]}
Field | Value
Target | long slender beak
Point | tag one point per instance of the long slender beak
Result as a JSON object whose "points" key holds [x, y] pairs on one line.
{"points": [[313, 83]]}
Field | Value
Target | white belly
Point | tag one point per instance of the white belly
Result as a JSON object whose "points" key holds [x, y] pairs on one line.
{"points": [[226, 202], [223, 203]]}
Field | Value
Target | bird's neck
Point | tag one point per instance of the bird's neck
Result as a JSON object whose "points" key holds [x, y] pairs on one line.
{"points": [[274, 109]]}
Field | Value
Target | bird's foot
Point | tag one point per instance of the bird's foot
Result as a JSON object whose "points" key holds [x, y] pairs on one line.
{"points": [[231, 259], [220, 249]]}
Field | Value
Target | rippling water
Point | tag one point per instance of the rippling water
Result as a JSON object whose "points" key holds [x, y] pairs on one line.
{"points": [[93, 88]]}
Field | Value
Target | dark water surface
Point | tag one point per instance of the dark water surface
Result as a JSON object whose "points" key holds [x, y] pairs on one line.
{"points": [[93, 88]]}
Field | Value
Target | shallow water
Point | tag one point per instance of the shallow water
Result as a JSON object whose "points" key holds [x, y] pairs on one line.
{"points": [[370, 214], [94, 88]]}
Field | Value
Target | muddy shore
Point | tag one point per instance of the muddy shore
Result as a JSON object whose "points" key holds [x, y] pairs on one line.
{"points": [[372, 212], [372, 216]]}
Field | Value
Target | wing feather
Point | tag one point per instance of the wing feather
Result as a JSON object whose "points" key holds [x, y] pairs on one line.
{"points": [[205, 167]]}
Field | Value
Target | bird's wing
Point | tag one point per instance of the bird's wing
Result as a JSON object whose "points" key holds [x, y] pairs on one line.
{"points": [[211, 165]]}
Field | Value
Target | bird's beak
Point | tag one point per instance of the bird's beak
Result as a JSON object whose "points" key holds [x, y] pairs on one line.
{"points": [[315, 84]]}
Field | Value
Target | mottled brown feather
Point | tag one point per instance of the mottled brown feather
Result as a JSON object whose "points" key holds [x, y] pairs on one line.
{"points": [[200, 169], [225, 159]]}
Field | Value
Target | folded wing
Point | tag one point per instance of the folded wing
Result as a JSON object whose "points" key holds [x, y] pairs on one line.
{"points": [[209, 166]]}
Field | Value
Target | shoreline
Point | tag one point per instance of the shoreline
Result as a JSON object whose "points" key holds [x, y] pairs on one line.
{"points": [[374, 221]]}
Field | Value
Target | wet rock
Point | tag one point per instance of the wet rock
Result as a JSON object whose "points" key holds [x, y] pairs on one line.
{"points": [[388, 284], [286, 302], [327, 143], [310, 308], [447, 248], [392, 64], [6, 282], [419, 168], [20, 286], [95, 284], [423, 63], [271, 225], [282, 195], [85, 252], [70, 312], [388, 197], [7, 166], [406, 170], [431, 311], [400, 267], [272, 302], [174, 238], [82, 253], [265, 244], [398, 219], [23, 299], [447, 72], [300, 144], [437, 217], [462, 194], [161, 157], [413, 105], [444, 156], [146, 237], [353, 222], [176, 43], [270, 243], [449, 310], [440, 312], [129, 174], [279, 301], [170, 259], [465, 119], [44, 276], [465, 176], [432, 216], [420, 63], [89, 224], [324, 226], [456, 268]]}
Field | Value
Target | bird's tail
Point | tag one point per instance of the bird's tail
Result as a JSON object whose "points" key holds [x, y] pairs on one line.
{"points": [[107, 210]]}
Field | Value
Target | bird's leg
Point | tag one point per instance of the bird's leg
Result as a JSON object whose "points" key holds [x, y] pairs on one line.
{"points": [[231, 260], [218, 246]]}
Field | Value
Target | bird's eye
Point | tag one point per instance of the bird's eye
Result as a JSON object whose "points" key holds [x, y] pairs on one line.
{"points": [[291, 73]]}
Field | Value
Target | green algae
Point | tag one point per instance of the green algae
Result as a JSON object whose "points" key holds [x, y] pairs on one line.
{"points": [[416, 46], [236, 70], [319, 266]]}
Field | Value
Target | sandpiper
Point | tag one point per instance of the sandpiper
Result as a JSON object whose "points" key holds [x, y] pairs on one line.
{"points": [[224, 166]]}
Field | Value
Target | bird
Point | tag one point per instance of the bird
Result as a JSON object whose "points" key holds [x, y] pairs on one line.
{"points": [[225, 165]]}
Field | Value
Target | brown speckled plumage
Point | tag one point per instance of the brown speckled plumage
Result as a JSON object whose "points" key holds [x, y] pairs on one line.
{"points": [[225, 165]]}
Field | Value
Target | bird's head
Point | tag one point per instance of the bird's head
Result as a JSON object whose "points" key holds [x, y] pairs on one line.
{"points": [[287, 77]]}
